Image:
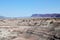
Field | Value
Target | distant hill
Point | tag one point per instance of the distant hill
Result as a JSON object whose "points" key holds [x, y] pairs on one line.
{"points": [[46, 15], [2, 17]]}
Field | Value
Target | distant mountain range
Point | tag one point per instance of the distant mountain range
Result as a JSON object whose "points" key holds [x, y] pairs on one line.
{"points": [[46, 15], [38, 15]]}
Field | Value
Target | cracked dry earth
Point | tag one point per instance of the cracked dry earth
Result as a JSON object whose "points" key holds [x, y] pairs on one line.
{"points": [[30, 29]]}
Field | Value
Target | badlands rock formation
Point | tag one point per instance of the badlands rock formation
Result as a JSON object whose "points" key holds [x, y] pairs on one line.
{"points": [[30, 29]]}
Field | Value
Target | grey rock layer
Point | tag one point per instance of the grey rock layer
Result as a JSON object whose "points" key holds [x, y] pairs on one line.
{"points": [[30, 29]]}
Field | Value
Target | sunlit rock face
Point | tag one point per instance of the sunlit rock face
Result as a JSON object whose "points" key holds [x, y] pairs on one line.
{"points": [[30, 29]]}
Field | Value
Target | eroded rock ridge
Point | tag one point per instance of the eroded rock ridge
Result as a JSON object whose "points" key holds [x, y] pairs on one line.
{"points": [[30, 29]]}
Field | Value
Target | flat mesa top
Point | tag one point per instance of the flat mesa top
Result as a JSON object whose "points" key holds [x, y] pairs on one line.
{"points": [[46, 15]]}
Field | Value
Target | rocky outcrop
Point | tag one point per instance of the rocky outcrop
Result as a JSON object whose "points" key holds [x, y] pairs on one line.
{"points": [[30, 29]]}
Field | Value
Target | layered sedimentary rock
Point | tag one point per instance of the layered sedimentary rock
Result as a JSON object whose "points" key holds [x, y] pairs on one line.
{"points": [[30, 29]]}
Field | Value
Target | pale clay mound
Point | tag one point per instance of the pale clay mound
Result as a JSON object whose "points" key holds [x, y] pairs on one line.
{"points": [[30, 29]]}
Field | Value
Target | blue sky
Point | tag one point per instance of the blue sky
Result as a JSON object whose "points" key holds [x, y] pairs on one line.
{"points": [[25, 8]]}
